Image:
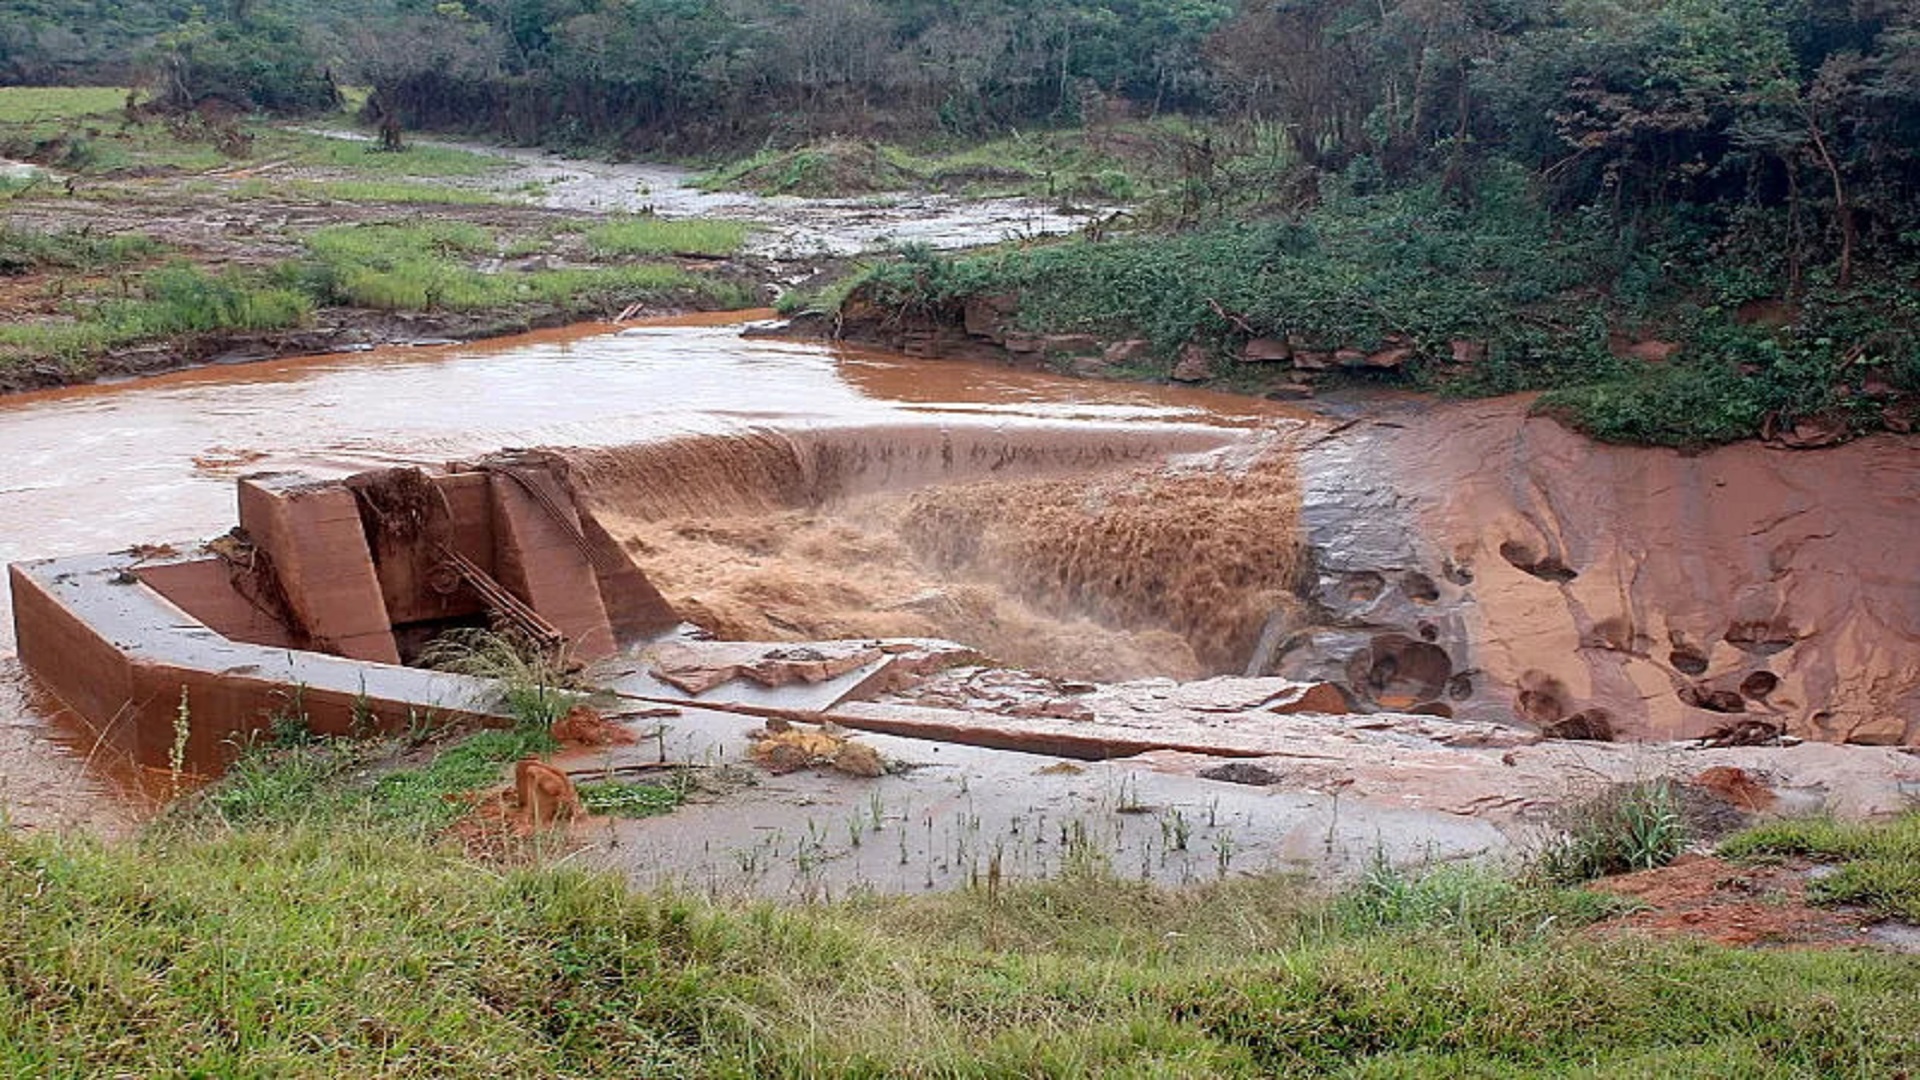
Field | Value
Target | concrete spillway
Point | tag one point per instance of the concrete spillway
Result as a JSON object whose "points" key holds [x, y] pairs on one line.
{"points": [[313, 601]]}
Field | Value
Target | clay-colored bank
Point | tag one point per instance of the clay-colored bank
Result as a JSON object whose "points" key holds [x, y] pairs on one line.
{"points": [[1528, 574]]}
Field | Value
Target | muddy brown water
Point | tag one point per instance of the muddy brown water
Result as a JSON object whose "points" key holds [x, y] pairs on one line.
{"points": [[104, 467]]}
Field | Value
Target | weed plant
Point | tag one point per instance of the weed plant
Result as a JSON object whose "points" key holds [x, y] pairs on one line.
{"points": [[1633, 826], [534, 682]]}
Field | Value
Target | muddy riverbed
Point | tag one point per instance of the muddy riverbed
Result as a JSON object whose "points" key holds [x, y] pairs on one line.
{"points": [[790, 228], [257, 215]]}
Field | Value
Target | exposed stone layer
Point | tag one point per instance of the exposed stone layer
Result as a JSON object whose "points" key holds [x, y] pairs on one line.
{"points": [[1526, 572]]}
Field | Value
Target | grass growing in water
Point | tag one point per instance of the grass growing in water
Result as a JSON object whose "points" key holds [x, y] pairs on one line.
{"points": [[631, 799], [429, 268], [662, 236]]}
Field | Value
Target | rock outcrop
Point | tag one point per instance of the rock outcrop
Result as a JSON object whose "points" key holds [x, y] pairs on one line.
{"points": [[1481, 558]]}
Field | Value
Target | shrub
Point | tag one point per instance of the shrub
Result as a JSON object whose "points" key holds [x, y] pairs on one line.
{"points": [[1635, 826]]}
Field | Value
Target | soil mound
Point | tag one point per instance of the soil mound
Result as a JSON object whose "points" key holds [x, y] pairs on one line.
{"points": [[826, 169]]}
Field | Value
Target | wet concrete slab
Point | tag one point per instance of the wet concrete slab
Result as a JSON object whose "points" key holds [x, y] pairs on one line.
{"points": [[110, 646], [636, 678], [947, 816]]}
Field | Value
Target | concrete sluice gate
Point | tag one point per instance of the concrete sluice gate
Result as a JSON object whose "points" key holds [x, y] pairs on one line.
{"points": [[314, 601]]}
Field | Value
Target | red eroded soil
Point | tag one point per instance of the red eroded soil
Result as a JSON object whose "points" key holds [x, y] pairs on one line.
{"points": [[1704, 897], [582, 726]]}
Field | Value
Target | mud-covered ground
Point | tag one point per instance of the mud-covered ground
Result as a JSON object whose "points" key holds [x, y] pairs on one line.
{"points": [[257, 214], [218, 232]]}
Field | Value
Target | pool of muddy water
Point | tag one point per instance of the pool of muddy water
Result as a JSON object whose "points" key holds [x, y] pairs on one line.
{"points": [[104, 467]]}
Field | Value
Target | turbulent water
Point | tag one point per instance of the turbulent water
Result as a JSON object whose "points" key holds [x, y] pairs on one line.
{"points": [[770, 484], [1140, 569]]}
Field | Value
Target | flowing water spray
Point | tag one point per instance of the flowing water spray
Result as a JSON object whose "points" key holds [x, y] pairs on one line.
{"points": [[1127, 572]]}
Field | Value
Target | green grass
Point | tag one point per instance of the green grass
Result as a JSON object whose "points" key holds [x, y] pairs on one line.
{"points": [[661, 236], [1126, 163], [419, 797], [173, 300], [85, 129], [836, 167], [417, 160], [632, 798], [314, 949], [336, 781], [1879, 864], [371, 191], [430, 268], [22, 250], [29, 104], [1467, 901]]}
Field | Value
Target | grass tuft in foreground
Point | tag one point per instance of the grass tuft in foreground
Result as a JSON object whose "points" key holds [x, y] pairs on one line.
{"points": [[1629, 827]]}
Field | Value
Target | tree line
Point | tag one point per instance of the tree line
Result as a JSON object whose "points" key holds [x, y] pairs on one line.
{"points": [[1807, 108]]}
